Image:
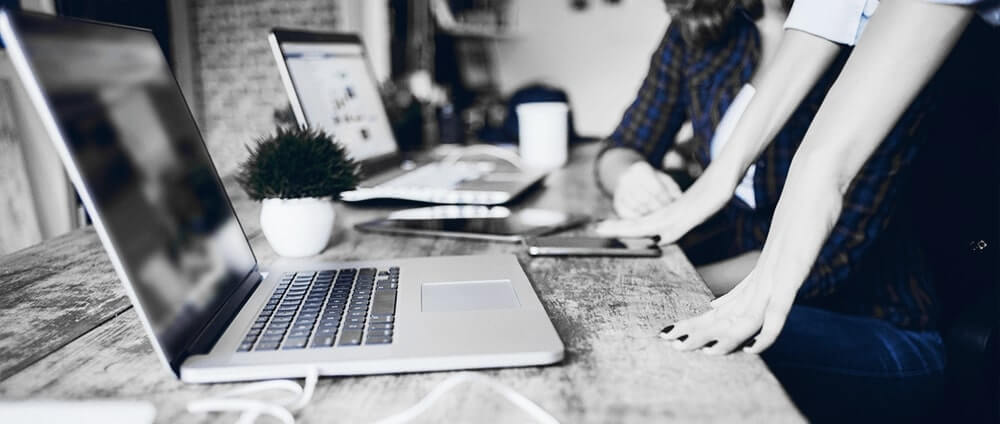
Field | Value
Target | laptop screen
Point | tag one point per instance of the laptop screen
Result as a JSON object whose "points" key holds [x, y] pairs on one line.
{"points": [[338, 94], [140, 165]]}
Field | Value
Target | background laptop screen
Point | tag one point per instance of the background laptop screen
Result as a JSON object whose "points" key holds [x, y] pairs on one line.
{"points": [[338, 94], [145, 166]]}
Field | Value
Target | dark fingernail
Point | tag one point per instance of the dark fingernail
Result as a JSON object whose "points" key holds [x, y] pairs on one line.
{"points": [[682, 338], [711, 343], [667, 329]]}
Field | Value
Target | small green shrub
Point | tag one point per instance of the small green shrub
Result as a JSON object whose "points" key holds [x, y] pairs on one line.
{"points": [[294, 163]]}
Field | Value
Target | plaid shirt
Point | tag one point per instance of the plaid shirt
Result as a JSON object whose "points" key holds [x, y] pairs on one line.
{"points": [[871, 264]]}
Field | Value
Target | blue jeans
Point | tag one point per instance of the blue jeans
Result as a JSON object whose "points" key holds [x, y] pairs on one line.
{"points": [[844, 368]]}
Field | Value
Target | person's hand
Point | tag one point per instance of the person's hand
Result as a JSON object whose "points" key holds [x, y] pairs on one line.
{"points": [[672, 221], [642, 189], [749, 317]]}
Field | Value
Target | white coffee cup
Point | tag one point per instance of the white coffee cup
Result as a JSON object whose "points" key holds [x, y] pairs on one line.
{"points": [[544, 134]]}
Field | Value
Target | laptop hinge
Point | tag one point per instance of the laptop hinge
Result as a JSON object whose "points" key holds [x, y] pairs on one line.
{"points": [[213, 330]]}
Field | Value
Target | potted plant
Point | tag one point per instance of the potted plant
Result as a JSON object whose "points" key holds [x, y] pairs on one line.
{"points": [[297, 174]]}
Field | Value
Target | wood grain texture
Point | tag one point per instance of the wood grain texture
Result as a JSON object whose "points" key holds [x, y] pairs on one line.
{"points": [[607, 311], [51, 294]]}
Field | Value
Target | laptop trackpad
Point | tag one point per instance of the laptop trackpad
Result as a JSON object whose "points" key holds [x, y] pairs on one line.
{"points": [[468, 296]]}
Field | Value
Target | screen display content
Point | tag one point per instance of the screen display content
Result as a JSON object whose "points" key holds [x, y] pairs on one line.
{"points": [[146, 169], [339, 95]]}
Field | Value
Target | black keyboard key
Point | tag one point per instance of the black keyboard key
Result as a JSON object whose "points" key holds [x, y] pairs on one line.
{"points": [[245, 347], [324, 341], [373, 332], [299, 333], [274, 332], [296, 343], [384, 303], [267, 346], [382, 318], [253, 332], [350, 338], [270, 339], [381, 326], [378, 340], [354, 326], [299, 327]]}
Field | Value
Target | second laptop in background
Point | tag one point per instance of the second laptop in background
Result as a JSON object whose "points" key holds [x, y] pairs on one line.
{"points": [[331, 87]]}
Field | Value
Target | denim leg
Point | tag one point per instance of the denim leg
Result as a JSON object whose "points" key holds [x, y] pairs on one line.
{"points": [[844, 368]]}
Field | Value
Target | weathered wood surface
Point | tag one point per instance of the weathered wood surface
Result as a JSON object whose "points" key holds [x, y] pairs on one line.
{"points": [[51, 294], [607, 312]]}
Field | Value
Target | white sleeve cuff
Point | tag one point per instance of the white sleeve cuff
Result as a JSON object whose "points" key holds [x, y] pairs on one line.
{"points": [[840, 21]]}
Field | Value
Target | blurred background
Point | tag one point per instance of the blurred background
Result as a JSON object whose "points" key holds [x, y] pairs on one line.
{"points": [[448, 69]]}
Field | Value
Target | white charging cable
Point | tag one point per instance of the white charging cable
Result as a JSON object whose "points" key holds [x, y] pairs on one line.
{"points": [[283, 410], [454, 381]]}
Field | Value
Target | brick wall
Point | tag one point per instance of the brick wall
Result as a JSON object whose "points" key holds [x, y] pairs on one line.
{"points": [[237, 86]]}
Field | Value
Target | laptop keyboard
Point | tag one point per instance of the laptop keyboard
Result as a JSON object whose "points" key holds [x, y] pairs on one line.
{"points": [[437, 175], [323, 309]]}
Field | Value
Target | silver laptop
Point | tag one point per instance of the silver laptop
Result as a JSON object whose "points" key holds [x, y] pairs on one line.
{"points": [[331, 86], [131, 148]]}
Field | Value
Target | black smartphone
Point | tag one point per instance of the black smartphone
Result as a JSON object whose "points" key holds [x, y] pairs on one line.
{"points": [[592, 246]]}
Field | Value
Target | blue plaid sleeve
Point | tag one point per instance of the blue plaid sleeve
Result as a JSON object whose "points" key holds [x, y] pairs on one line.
{"points": [[651, 122]]}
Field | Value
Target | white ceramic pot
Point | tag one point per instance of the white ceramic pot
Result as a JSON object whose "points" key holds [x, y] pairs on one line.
{"points": [[297, 227]]}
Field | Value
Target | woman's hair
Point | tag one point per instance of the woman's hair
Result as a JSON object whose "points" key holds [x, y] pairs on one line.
{"points": [[704, 21]]}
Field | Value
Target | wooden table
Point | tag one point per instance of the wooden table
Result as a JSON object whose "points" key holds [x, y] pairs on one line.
{"points": [[67, 331]]}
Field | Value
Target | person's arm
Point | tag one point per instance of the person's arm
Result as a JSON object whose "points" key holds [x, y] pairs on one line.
{"points": [[645, 133], [612, 163], [903, 46], [651, 121], [800, 61]]}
